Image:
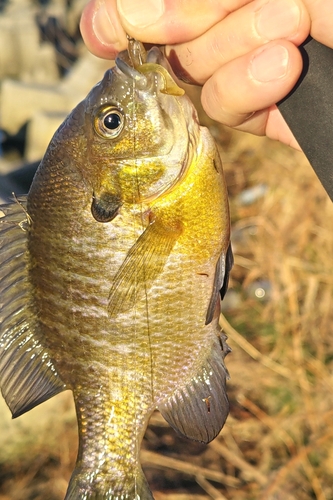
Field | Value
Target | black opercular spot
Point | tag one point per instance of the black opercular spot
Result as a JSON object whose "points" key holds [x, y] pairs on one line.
{"points": [[105, 207]]}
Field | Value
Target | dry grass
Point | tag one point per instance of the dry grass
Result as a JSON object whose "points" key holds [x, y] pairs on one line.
{"points": [[281, 364]]}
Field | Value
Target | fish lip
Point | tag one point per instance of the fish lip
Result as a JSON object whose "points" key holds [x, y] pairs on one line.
{"points": [[135, 63], [129, 60], [140, 79]]}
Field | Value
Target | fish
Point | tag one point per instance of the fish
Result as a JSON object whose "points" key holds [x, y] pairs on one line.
{"points": [[111, 274]]}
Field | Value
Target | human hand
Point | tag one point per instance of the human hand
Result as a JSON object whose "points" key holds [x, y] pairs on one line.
{"points": [[243, 52]]}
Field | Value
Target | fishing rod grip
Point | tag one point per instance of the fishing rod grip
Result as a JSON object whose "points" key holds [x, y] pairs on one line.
{"points": [[308, 110]]}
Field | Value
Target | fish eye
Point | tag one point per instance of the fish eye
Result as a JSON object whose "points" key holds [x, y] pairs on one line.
{"points": [[109, 122]]}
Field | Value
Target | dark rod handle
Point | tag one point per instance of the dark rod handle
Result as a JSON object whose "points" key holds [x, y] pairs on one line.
{"points": [[308, 110]]}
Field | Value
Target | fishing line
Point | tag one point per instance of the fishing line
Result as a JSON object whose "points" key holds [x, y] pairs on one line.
{"points": [[135, 186], [132, 124], [136, 59], [142, 211], [145, 277]]}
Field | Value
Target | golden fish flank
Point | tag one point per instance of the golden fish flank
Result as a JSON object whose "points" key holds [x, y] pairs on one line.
{"points": [[111, 271]]}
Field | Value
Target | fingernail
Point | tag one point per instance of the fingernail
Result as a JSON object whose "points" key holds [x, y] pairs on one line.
{"points": [[103, 26], [278, 19], [141, 14], [270, 64]]}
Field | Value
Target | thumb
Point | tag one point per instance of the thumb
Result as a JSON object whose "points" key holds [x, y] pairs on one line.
{"points": [[104, 22]]}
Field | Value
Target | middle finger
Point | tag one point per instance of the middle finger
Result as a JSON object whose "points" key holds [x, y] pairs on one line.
{"points": [[240, 32]]}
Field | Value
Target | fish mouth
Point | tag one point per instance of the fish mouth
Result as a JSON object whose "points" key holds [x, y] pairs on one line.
{"points": [[136, 63], [150, 72], [129, 60]]}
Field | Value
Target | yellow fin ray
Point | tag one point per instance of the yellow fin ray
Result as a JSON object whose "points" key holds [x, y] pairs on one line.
{"points": [[143, 263]]}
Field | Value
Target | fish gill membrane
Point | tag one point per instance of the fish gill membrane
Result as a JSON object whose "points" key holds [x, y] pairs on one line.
{"points": [[111, 271]]}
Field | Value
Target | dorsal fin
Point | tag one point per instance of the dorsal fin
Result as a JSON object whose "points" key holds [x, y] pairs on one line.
{"points": [[221, 280], [27, 374]]}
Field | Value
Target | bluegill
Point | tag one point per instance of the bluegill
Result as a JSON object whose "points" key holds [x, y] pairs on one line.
{"points": [[111, 271]]}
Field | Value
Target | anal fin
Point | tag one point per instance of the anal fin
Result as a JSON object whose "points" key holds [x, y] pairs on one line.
{"points": [[27, 374], [199, 410]]}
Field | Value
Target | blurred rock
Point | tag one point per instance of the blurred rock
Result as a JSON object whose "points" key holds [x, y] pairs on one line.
{"points": [[252, 194], [53, 31], [21, 102], [24, 57], [85, 73], [39, 132]]}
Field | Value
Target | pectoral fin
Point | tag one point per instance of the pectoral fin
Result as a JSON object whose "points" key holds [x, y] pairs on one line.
{"points": [[27, 375], [198, 410], [143, 263]]}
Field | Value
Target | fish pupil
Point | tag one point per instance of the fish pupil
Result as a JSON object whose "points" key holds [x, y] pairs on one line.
{"points": [[112, 121]]}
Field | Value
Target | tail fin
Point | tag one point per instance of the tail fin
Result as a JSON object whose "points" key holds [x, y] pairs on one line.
{"points": [[88, 485]]}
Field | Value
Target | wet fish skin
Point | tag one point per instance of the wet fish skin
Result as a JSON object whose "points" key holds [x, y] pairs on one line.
{"points": [[114, 276]]}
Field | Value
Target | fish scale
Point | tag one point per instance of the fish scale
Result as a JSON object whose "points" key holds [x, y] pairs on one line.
{"points": [[110, 274]]}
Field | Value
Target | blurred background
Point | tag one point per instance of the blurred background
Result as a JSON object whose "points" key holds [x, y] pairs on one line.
{"points": [[278, 441]]}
